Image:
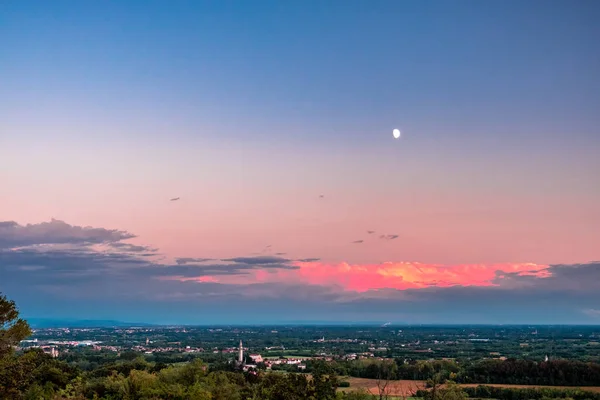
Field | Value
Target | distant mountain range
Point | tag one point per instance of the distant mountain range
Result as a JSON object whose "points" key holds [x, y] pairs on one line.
{"points": [[80, 323]]}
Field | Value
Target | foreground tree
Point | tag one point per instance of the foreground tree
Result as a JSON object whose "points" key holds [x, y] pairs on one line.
{"points": [[12, 328], [448, 391], [324, 381], [386, 373]]}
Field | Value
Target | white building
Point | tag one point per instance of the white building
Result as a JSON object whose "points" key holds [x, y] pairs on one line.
{"points": [[257, 358]]}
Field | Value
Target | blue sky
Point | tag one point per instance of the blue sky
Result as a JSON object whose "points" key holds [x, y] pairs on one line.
{"points": [[249, 111]]}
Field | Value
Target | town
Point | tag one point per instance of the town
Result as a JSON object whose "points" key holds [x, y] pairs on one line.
{"points": [[289, 347]]}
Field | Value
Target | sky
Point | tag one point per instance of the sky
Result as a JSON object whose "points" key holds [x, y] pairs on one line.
{"points": [[272, 123]]}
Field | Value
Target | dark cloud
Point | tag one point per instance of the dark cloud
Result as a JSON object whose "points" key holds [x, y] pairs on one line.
{"points": [[370, 232], [388, 237], [190, 260], [358, 241], [197, 271], [308, 260], [259, 260], [561, 277], [29, 267], [132, 248], [56, 232]]}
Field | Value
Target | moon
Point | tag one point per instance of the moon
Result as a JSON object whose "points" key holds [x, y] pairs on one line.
{"points": [[396, 133]]}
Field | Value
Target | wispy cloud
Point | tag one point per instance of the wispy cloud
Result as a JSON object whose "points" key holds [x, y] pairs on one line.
{"points": [[388, 237], [132, 248], [259, 260], [191, 260], [592, 312], [308, 260]]}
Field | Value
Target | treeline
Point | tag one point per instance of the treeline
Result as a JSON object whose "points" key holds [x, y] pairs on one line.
{"points": [[510, 371], [499, 393], [527, 372], [35, 375], [87, 360]]}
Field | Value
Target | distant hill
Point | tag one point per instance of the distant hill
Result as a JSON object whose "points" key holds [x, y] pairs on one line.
{"points": [[80, 323]]}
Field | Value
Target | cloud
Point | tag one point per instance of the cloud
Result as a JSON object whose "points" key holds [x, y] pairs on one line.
{"points": [[190, 260], [592, 312], [268, 262], [126, 276], [132, 248], [56, 232], [388, 237], [403, 275], [191, 272], [358, 241], [259, 260], [559, 277]]}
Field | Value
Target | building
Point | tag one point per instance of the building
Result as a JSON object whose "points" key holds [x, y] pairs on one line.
{"points": [[50, 350], [240, 361], [248, 367], [257, 358]]}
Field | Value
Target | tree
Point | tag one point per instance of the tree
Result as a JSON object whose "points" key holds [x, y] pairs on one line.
{"points": [[361, 394], [324, 381], [386, 372], [12, 328], [33, 368], [451, 391]]}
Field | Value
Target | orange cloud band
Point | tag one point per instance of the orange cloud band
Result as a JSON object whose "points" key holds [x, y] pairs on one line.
{"points": [[388, 275]]}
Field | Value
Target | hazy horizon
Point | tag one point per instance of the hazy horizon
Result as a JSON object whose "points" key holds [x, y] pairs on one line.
{"points": [[53, 323]]}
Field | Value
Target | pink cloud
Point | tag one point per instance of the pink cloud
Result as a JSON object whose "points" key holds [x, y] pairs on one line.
{"points": [[388, 275]]}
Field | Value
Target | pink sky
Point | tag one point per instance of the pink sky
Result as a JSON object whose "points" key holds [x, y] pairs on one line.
{"points": [[450, 220]]}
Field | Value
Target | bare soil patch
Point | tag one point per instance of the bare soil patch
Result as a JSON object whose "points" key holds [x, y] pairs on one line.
{"points": [[406, 388]]}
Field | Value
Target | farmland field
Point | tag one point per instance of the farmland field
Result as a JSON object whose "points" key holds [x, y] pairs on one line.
{"points": [[396, 388], [408, 388]]}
